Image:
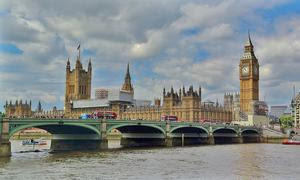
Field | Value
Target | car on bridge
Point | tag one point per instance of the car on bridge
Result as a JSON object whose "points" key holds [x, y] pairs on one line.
{"points": [[85, 116], [99, 115]]}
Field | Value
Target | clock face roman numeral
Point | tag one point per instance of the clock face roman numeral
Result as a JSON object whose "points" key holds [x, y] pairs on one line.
{"points": [[245, 70]]}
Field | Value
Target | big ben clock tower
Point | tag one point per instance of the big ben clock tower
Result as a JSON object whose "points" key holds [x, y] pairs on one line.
{"points": [[249, 77]]}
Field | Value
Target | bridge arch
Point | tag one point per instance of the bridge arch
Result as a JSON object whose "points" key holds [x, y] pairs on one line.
{"points": [[249, 131], [136, 128], [225, 135], [137, 135], [50, 127], [250, 135], [225, 130], [189, 135], [193, 129]]}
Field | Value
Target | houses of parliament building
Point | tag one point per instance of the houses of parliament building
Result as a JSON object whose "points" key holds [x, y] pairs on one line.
{"points": [[185, 104]]}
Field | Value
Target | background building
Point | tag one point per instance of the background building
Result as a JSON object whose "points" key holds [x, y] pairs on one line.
{"points": [[101, 93], [139, 103], [186, 106], [277, 111], [232, 102], [19, 109], [296, 110]]}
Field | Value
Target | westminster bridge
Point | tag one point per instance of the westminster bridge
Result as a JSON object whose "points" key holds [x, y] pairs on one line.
{"points": [[78, 134]]}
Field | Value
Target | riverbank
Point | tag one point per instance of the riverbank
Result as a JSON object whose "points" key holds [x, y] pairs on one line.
{"points": [[31, 136], [273, 139]]}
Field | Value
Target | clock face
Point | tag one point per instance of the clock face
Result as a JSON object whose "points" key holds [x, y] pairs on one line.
{"points": [[245, 70]]}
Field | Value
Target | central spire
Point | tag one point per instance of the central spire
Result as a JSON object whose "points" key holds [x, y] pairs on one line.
{"points": [[127, 86]]}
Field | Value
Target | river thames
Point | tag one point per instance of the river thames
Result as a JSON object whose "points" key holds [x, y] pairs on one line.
{"points": [[239, 161]]}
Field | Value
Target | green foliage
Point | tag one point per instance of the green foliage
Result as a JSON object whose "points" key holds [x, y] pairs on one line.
{"points": [[286, 121], [2, 114]]}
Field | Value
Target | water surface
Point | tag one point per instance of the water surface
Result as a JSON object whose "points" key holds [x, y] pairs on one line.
{"points": [[241, 161]]}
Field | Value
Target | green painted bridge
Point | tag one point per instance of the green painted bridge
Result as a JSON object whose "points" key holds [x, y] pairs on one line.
{"points": [[76, 134]]}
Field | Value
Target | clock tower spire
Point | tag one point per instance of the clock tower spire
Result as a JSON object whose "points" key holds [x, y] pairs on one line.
{"points": [[249, 77]]}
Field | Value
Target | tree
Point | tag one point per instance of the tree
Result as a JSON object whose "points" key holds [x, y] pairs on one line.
{"points": [[286, 121]]}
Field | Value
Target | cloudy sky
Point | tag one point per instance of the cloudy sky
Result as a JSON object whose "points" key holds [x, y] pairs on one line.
{"points": [[167, 43]]}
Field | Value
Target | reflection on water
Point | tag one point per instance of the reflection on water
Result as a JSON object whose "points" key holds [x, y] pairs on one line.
{"points": [[17, 146], [244, 161], [248, 161]]}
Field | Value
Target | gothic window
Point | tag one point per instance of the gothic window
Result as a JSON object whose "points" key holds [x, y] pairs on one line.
{"points": [[71, 89]]}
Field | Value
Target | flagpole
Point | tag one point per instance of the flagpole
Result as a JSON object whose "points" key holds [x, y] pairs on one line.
{"points": [[78, 48]]}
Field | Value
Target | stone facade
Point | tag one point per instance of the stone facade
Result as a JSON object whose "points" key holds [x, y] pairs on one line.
{"points": [[54, 113], [101, 93], [19, 109], [232, 102], [187, 106], [78, 84]]}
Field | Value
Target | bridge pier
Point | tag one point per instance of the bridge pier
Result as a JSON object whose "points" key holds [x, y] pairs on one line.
{"points": [[5, 147], [168, 138], [169, 142], [211, 140], [103, 137]]}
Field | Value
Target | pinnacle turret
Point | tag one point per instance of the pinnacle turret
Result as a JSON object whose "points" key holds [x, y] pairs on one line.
{"points": [[68, 67], [127, 86], [90, 65]]}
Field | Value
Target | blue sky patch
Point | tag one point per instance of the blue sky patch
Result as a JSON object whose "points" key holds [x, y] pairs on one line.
{"points": [[290, 8], [201, 54], [88, 53], [10, 49], [190, 32]]}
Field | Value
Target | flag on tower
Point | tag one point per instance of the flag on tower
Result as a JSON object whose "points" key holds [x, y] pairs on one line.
{"points": [[78, 47]]}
